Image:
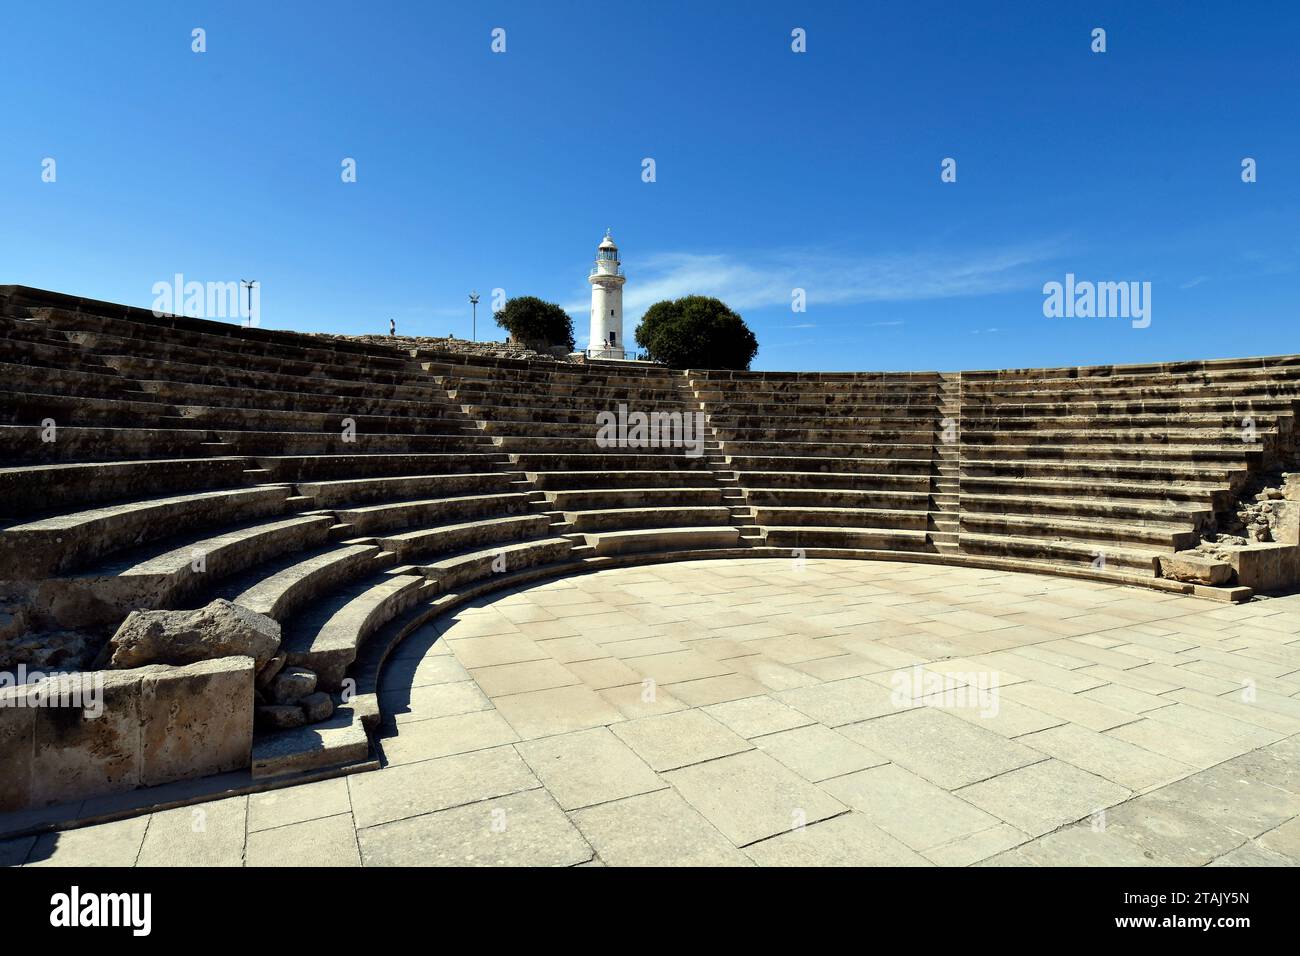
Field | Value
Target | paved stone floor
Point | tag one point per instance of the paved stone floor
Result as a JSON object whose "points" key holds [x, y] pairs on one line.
{"points": [[755, 712]]}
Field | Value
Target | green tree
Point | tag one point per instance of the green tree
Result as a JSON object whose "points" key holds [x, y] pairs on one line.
{"points": [[536, 323], [696, 331]]}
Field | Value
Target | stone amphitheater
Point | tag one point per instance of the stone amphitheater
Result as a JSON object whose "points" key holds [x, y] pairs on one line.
{"points": [[291, 560]]}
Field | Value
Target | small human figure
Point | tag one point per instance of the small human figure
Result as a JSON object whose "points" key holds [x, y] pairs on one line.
{"points": [[392, 328]]}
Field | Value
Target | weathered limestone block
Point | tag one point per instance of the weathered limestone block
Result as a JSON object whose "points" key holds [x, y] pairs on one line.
{"points": [[78, 754], [1195, 570], [79, 735], [17, 749], [219, 630], [1268, 567], [197, 720]]}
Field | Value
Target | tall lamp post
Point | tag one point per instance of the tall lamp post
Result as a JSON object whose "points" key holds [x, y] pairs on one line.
{"points": [[473, 301], [248, 284]]}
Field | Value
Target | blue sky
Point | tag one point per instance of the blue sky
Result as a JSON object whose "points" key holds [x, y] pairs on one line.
{"points": [[774, 170]]}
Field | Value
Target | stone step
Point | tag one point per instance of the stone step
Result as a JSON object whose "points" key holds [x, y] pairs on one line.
{"points": [[882, 450], [846, 481], [1200, 494], [258, 443], [35, 490], [1174, 472], [834, 497], [597, 480], [623, 497], [424, 543], [1135, 393], [226, 396], [178, 571], [40, 379], [1088, 437], [1054, 406], [811, 536], [234, 376], [833, 433], [874, 416], [47, 546], [401, 515], [338, 741], [767, 517], [1228, 454], [1122, 421], [1092, 532], [664, 539], [276, 421], [141, 326], [306, 468], [668, 459], [481, 565], [34, 408], [323, 364], [1117, 510], [359, 491], [839, 465], [1102, 557], [279, 589], [325, 638], [659, 516], [540, 444]]}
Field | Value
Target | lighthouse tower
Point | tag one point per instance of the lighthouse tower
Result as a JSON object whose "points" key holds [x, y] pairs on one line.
{"points": [[606, 280]]}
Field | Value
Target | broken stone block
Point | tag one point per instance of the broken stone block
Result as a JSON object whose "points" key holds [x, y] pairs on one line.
{"points": [[1194, 570], [281, 716], [219, 630], [292, 685], [318, 706], [269, 670]]}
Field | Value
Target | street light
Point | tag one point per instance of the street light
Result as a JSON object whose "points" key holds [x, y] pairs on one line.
{"points": [[473, 301], [248, 284]]}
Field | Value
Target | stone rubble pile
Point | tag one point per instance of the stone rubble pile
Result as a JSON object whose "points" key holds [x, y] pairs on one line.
{"points": [[284, 696]]}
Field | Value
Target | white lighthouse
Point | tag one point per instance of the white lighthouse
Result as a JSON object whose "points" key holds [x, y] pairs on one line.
{"points": [[606, 280]]}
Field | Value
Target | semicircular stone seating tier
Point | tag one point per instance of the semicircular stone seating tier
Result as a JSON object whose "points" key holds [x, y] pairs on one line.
{"points": [[353, 491]]}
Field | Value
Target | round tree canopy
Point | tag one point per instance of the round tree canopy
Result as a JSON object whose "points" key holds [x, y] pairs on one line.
{"points": [[536, 323], [696, 331]]}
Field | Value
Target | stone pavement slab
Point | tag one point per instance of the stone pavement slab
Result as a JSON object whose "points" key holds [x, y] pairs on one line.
{"points": [[412, 789], [942, 748], [656, 829], [845, 840], [750, 796], [1043, 796], [328, 842], [817, 752], [206, 834], [677, 740], [910, 808], [588, 767], [521, 829], [755, 716]]}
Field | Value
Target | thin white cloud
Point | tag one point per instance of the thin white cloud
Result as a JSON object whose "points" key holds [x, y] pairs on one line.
{"points": [[767, 280]]}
